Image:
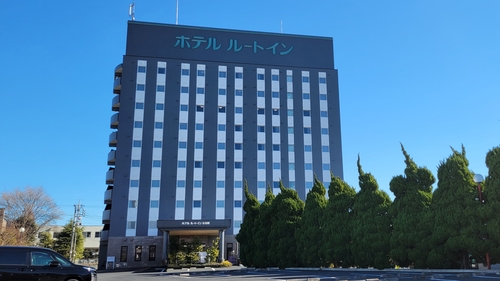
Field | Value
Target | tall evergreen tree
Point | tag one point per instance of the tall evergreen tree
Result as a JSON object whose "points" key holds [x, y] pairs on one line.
{"points": [[337, 224], [492, 205], [246, 235], [413, 195], [454, 210], [261, 231], [310, 231], [372, 225], [62, 244], [287, 208]]}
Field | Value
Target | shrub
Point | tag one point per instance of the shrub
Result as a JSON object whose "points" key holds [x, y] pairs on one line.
{"points": [[226, 263]]}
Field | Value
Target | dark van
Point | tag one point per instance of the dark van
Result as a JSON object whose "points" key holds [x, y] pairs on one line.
{"points": [[33, 263]]}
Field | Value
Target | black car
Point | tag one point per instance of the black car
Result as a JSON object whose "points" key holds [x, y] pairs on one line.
{"points": [[33, 263]]}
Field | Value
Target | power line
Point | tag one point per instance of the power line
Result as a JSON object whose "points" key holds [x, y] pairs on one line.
{"points": [[79, 213]]}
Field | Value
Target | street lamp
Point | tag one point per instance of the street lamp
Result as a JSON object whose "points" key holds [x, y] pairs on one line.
{"points": [[479, 179], [21, 231]]}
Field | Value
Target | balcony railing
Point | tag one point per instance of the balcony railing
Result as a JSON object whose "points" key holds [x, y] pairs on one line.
{"points": [[112, 157], [114, 121], [115, 104], [110, 176], [112, 139], [107, 196], [104, 235], [106, 214], [117, 85], [118, 70]]}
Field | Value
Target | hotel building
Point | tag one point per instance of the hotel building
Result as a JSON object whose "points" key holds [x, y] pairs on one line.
{"points": [[199, 112]]}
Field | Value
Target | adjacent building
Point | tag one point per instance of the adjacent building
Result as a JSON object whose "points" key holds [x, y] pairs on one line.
{"points": [[199, 113]]}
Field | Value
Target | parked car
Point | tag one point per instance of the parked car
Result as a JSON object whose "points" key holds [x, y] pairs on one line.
{"points": [[34, 263]]}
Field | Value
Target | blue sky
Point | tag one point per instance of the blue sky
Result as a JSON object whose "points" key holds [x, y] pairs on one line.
{"points": [[421, 72]]}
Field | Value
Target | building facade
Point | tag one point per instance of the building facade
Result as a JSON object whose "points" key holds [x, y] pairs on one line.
{"points": [[201, 112]]}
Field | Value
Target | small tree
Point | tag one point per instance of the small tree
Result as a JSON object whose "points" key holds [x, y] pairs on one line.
{"points": [[213, 250], [246, 236], [46, 240], [63, 243]]}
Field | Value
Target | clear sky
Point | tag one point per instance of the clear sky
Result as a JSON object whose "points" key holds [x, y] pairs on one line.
{"points": [[423, 73]]}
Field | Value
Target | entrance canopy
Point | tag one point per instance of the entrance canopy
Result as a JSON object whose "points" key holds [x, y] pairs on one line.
{"points": [[193, 227]]}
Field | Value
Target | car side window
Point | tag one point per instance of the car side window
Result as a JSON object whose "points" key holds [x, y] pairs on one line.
{"points": [[40, 258]]}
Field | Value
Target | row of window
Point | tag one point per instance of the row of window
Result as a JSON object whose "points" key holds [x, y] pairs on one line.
{"points": [[180, 204], [138, 253]]}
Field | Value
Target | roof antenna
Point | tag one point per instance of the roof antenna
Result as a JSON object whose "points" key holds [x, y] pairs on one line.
{"points": [[281, 25], [131, 10], [177, 12]]}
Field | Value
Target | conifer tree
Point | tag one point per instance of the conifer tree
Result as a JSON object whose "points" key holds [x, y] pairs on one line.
{"points": [[246, 235], [261, 231], [310, 231], [371, 226], [287, 210], [492, 204], [454, 211], [337, 224], [413, 195]]}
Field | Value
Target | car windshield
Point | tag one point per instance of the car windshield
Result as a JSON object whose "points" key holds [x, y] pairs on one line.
{"points": [[62, 260]]}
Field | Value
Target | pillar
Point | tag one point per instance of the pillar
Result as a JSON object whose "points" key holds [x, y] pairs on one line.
{"points": [[222, 245], [166, 241]]}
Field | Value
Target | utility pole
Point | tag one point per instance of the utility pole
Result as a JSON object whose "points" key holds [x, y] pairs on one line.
{"points": [[79, 213]]}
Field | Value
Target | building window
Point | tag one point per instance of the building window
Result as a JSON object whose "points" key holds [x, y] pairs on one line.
{"points": [[136, 163], [326, 167], [307, 148], [201, 72], [199, 108], [152, 253], [220, 165], [137, 143], [183, 126], [138, 253], [290, 130], [132, 204], [322, 96], [238, 75], [291, 148], [325, 148], [181, 164], [261, 129], [123, 254], [306, 96], [131, 225], [154, 204], [276, 111], [179, 203], [156, 163], [260, 76], [141, 69], [238, 146], [97, 234], [199, 126], [158, 125], [237, 224], [292, 184], [237, 204], [182, 144], [289, 78], [307, 113], [322, 80], [305, 79], [276, 129], [289, 112], [220, 184], [197, 184], [324, 113], [238, 165], [160, 88], [222, 92], [222, 109], [261, 146], [276, 166], [291, 166], [276, 184], [196, 204], [274, 77], [260, 94], [261, 165], [155, 183], [289, 95], [220, 204], [308, 166], [157, 144], [261, 184], [184, 107], [238, 93], [185, 72], [198, 145], [238, 128], [184, 90], [139, 105], [238, 110], [221, 145], [275, 94], [238, 184], [141, 87], [198, 164], [200, 91], [181, 183], [138, 124], [221, 127], [324, 131], [134, 183], [87, 234], [307, 130], [260, 111], [162, 70], [276, 147], [222, 74], [159, 106]]}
